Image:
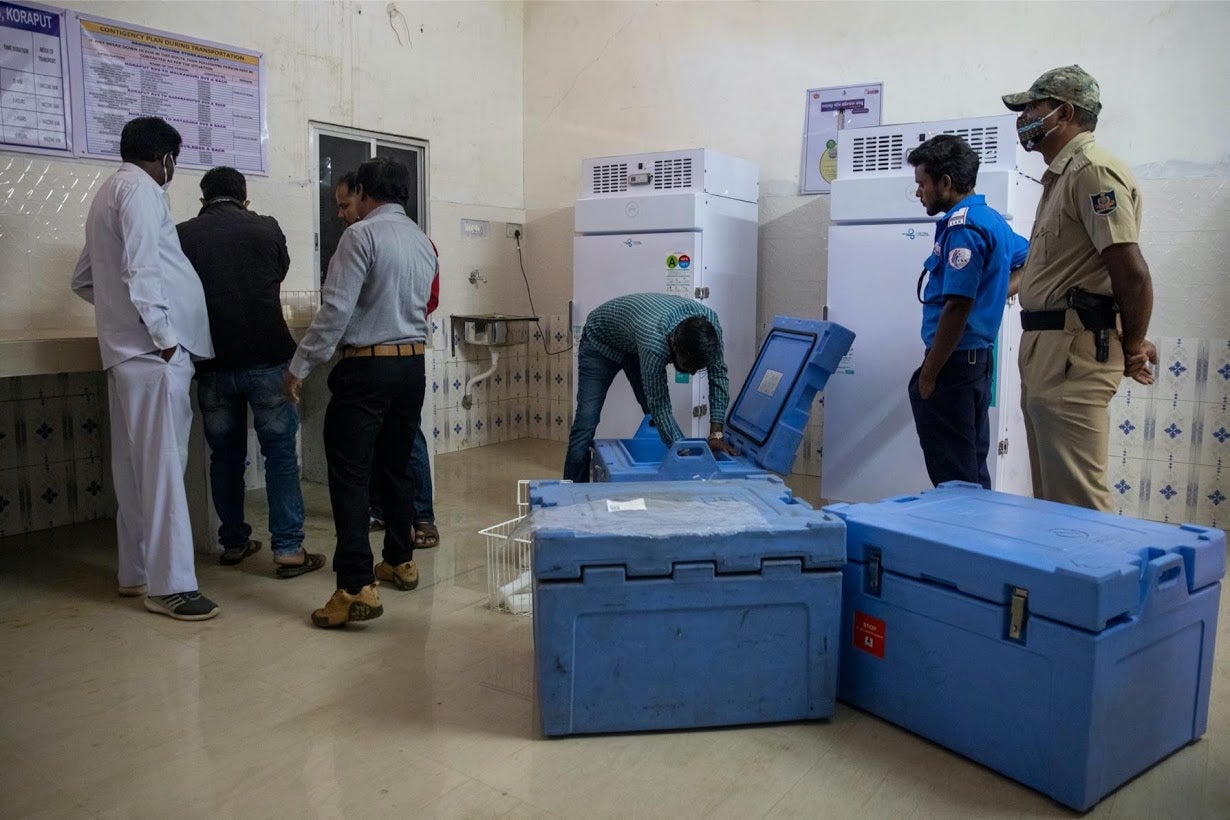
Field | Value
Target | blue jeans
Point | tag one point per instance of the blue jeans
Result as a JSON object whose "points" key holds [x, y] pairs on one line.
{"points": [[225, 396], [419, 470], [595, 373]]}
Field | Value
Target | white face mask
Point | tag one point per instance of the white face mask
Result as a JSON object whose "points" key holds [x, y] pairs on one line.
{"points": [[1033, 132], [166, 171]]}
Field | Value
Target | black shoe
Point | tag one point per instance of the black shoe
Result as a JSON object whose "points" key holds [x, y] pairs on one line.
{"points": [[183, 606]]}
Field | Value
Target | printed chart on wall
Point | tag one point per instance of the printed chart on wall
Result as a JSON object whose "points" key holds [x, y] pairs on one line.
{"points": [[830, 110], [212, 93], [34, 111]]}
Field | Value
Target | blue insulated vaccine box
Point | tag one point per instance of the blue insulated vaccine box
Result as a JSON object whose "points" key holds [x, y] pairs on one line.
{"points": [[680, 604], [1065, 648], [765, 422]]}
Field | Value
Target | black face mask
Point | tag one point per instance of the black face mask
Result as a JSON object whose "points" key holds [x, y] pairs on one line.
{"points": [[1033, 132]]}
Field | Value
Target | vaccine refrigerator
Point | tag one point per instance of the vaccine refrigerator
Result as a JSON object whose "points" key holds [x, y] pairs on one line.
{"points": [[679, 222], [878, 241]]}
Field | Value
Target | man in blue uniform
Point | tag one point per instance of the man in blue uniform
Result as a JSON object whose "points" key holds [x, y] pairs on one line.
{"points": [[963, 304]]}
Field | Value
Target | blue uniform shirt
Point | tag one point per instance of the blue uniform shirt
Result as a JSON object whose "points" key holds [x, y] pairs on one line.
{"points": [[974, 252]]}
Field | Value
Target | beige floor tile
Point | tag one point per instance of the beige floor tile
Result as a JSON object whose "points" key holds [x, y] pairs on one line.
{"points": [[26, 794], [474, 801], [429, 710]]}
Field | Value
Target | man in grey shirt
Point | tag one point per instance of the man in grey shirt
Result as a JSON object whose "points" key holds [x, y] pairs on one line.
{"points": [[373, 307]]}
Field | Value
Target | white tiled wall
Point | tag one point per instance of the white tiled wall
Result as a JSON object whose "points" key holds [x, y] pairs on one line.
{"points": [[54, 451], [529, 395], [1170, 442]]}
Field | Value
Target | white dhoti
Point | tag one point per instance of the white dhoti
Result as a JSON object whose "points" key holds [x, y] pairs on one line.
{"points": [[151, 417]]}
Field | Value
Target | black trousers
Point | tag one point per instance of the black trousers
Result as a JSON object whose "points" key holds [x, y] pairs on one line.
{"points": [[370, 425], [952, 425]]}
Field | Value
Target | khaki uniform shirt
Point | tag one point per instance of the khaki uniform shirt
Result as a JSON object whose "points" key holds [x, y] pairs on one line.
{"points": [[1090, 201]]}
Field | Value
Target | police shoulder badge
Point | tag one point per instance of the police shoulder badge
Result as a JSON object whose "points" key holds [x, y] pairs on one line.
{"points": [[1103, 202], [959, 258]]}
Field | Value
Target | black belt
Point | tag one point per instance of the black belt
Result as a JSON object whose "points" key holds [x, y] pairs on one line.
{"points": [[972, 355], [1043, 319], [1096, 313], [1058, 319]]}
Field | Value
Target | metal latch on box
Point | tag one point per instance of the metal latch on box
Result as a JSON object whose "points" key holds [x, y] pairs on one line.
{"points": [[1018, 614], [873, 571]]}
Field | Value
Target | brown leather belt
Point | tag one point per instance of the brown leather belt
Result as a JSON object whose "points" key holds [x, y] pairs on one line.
{"points": [[403, 349]]}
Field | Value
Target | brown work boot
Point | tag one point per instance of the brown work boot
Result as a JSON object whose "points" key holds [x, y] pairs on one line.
{"points": [[403, 576], [344, 607]]}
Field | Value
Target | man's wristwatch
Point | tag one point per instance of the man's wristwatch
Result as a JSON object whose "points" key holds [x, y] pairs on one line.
{"points": [[717, 434]]}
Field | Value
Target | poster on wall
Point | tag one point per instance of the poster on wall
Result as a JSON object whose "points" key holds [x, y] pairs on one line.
{"points": [[34, 109], [212, 93], [830, 110]]}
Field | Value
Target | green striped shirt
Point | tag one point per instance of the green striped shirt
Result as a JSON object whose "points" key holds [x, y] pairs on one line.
{"points": [[640, 323]]}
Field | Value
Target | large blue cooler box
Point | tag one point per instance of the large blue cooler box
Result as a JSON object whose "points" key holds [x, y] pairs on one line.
{"points": [[677, 604], [1065, 648], [765, 422]]}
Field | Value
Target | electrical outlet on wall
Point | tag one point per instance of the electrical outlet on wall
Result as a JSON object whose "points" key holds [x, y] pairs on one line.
{"points": [[512, 229]]}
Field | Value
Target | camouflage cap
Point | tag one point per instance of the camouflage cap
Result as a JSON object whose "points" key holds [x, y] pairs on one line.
{"points": [[1071, 84]]}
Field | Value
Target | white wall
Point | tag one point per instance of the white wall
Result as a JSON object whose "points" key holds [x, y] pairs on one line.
{"points": [[455, 82], [611, 78]]}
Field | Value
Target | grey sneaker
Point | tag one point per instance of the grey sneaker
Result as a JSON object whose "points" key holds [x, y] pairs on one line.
{"points": [[183, 606]]}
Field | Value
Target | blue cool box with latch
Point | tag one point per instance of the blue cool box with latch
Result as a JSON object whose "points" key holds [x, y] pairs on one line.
{"points": [[678, 604], [765, 423], [1065, 648]]}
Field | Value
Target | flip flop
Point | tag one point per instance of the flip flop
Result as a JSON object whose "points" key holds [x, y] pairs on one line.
{"points": [[426, 535], [312, 561], [231, 557]]}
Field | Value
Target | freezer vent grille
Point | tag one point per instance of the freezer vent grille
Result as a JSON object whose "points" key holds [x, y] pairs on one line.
{"points": [[882, 153], [984, 141], [611, 179], [672, 173]]}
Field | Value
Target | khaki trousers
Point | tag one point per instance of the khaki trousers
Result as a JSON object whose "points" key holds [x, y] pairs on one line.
{"points": [[1065, 393]]}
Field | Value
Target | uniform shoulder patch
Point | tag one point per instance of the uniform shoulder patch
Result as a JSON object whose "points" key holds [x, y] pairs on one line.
{"points": [[959, 258], [958, 217], [1103, 202]]}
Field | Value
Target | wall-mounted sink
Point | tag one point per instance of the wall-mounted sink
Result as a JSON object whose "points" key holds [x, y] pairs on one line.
{"points": [[493, 330]]}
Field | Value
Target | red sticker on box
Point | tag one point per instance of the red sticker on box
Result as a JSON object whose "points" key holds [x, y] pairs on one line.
{"points": [[868, 634]]}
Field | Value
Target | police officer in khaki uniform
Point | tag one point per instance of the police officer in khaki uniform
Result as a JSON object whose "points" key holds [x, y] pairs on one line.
{"points": [[1085, 291]]}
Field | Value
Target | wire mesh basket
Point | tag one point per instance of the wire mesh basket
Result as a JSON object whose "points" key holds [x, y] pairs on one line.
{"points": [[510, 584], [510, 581]]}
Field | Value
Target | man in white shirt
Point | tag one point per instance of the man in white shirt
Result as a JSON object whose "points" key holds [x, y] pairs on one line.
{"points": [[149, 308]]}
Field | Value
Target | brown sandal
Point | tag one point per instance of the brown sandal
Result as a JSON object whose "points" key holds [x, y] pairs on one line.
{"points": [[312, 561], [426, 535]]}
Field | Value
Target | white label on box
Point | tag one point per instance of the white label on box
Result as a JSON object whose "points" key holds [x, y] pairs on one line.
{"points": [[768, 384], [846, 365], [619, 506]]}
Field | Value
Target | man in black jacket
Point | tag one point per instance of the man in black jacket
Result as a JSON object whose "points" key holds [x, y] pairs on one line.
{"points": [[241, 258]]}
